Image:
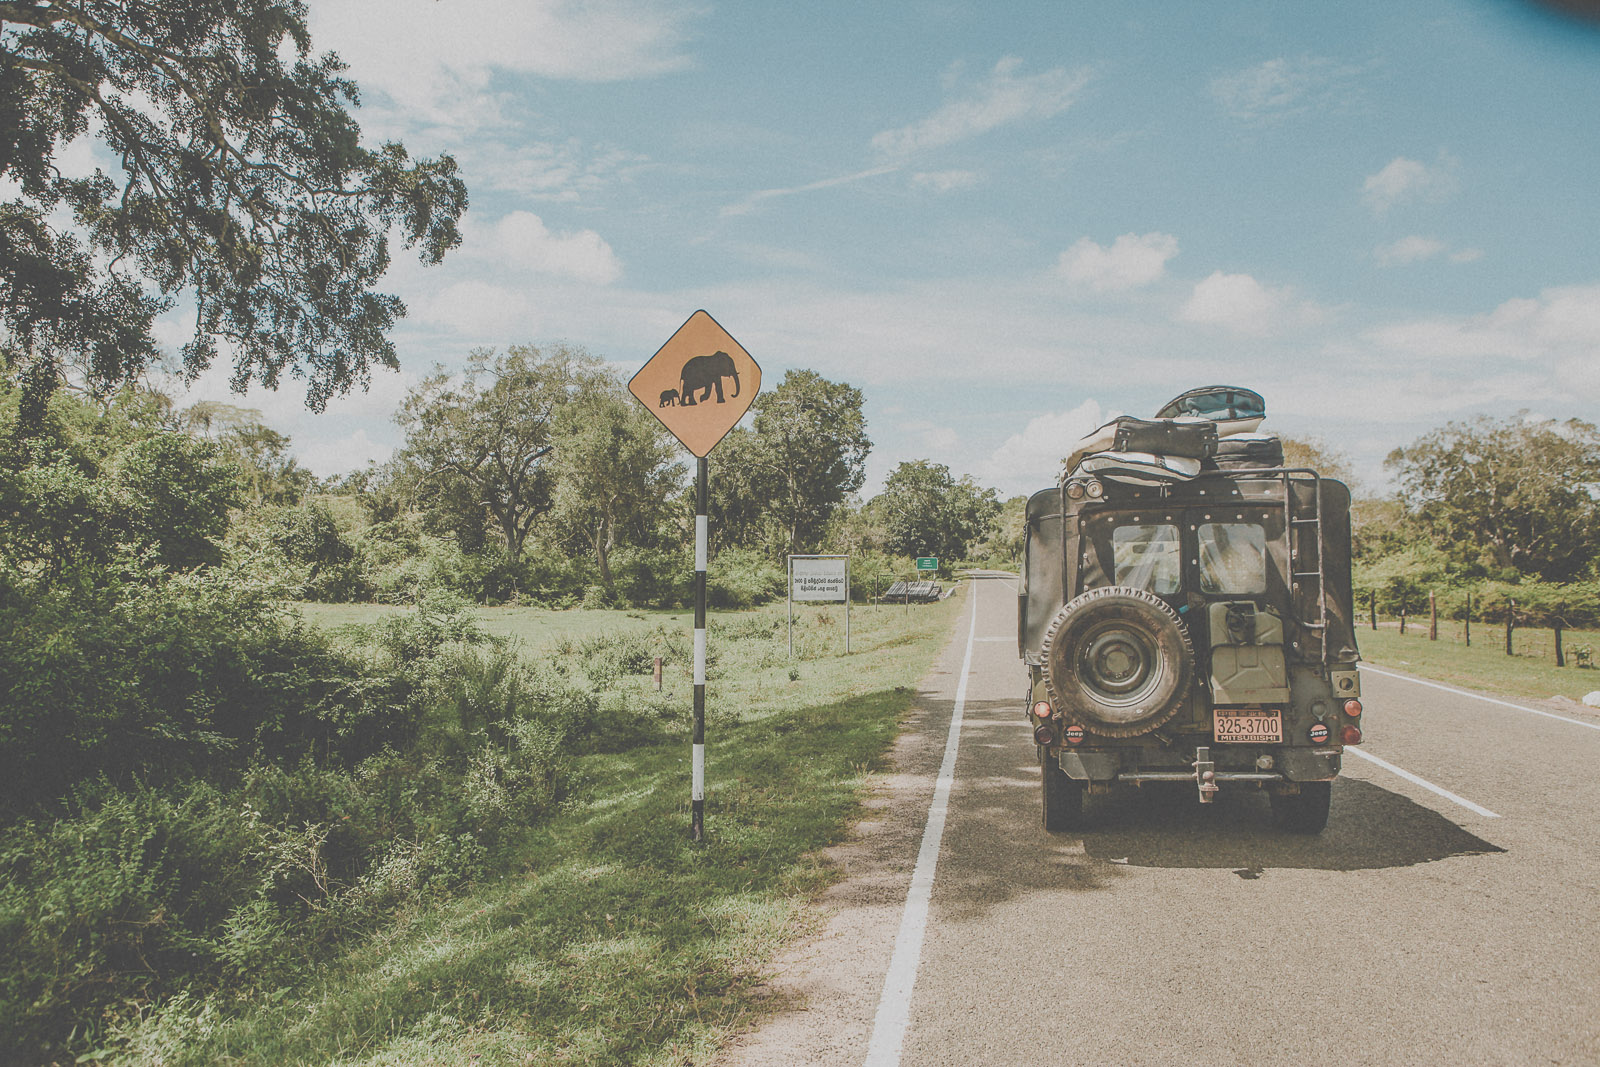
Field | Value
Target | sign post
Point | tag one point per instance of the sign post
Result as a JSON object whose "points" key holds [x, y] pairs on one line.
{"points": [[825, 578], [699, 384]]}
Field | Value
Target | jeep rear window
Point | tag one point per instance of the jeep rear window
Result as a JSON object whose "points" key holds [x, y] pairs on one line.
{"points": [[1233, 558], [1147, 557]]}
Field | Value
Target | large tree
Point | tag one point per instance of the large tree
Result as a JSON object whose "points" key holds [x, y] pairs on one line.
{"points": [[928, 512], [616, 470], [1509, 493], [479, 447], [240, 184], [807, 454]]}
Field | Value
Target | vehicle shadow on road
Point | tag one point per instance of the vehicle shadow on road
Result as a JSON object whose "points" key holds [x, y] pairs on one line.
{"points": [[996, 848], [1370, 828]]}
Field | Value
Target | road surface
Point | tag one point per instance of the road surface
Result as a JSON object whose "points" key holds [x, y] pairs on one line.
{"points": [[1449, 914]]}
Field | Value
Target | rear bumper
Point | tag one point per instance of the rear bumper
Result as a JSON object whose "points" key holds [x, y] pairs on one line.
{"points": [[1133, 766]]}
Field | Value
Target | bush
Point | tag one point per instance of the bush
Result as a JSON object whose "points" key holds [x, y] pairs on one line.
{"points": [[743, 578], [125, 672]]}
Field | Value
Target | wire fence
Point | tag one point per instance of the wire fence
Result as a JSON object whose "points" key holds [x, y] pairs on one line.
{"points": [[1492, 624]]}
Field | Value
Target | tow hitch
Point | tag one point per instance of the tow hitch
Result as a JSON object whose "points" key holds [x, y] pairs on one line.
{"points": [[1205, 774]]}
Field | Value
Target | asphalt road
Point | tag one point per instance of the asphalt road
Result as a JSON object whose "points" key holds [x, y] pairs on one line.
{"points": [[1457, 924]]}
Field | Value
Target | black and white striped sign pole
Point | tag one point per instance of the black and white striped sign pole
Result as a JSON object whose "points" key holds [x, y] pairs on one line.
{"points": [[697, 795], [699, 385]]}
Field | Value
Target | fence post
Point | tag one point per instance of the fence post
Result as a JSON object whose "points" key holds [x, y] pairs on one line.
{"points": [[1433, 618], [1561, 661], [1402, 614], [1372, 603], [1511, 621], [1469, 618]]}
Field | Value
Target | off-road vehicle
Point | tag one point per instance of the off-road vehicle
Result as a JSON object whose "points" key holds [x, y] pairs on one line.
{"points": [[1185, 615]]}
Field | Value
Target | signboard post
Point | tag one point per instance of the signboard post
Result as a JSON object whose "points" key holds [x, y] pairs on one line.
{"points": [[699, 384], [825, 578]]}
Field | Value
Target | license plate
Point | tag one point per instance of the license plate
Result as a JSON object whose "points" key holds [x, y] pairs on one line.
{"points": [[1248, 724]]}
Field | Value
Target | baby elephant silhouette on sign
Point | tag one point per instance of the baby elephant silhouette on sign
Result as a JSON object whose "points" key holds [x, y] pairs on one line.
{"points": [[669, 398]]}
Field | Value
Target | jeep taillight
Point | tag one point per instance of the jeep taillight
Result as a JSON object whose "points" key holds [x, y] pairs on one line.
{"points": [[1352, 708], [1351, 734], [1041, 710], [1044, 734]]}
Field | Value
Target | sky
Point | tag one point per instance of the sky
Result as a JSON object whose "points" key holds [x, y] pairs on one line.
{"points": [[1004, 223]]}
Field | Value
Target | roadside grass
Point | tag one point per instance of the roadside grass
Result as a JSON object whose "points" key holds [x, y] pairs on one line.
{"points": [[1484, 665], [613, 938]]}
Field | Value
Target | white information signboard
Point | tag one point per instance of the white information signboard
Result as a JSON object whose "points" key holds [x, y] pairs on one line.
{"points": [[819, 578]]}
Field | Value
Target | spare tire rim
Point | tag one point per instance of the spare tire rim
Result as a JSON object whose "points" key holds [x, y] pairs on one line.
{"points": [[1118, 664]]}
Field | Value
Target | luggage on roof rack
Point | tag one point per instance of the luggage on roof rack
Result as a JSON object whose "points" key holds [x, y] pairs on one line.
{"points": [[1232, 408], [1248, 450]]}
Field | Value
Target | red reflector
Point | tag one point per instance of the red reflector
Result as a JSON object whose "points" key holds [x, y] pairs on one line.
{"points": [[1319, 733], [1352, 708], [1041, 710], [1352, 735], [1044, 735], [1075, 735]]}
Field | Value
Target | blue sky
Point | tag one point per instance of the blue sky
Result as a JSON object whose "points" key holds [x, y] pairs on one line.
{"points": [[1006, 222]]}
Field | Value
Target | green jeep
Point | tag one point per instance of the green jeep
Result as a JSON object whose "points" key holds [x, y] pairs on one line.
{"points": [[1194, 630]]}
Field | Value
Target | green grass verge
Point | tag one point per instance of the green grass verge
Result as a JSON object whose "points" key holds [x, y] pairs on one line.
{"points": [[615, 940], [1484, 665]]}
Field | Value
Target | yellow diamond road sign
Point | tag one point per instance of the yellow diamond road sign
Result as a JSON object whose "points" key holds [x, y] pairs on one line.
{"points": [[699, 384]]}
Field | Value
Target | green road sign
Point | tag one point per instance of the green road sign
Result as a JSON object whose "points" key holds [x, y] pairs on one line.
{"points": [[927, 563]]}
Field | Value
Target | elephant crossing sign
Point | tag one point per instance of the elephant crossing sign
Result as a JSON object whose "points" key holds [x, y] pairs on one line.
{"points": [[699, 384]]}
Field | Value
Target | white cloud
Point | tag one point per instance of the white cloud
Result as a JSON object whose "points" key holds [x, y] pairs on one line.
{"points": [[521, 243], [1562, 326], [1032, 459], [751, 202], [945, 181], [1411, 249], [1131, 261], [1279, 87], [564, 172], [1002, 98], [436, 59], [1236, 302], [1403, 180], [1466, 255]]}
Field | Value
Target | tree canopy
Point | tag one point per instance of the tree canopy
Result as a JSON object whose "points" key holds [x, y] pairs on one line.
{"points": [[1507, 494], [480, 450], [780, 482], [928, 512], [241, 186]]}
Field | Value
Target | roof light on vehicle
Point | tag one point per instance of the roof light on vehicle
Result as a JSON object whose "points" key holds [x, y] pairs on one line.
{"points": [[1044, 734], [1351, 735], [1074, 490], [1042, 710], [1095, 490], [1352, 708]]}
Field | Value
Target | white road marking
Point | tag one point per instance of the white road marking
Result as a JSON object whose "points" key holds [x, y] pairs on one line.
{"points": [[1486, 700], [1423, 782], [894, 1005]]}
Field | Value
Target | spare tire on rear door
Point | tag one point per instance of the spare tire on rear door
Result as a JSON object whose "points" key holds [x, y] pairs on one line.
{"points": [[1118, 661]]}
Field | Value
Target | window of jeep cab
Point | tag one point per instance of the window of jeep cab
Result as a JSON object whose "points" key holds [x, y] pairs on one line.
{"points": [[1148, 557], [1233, 558]]}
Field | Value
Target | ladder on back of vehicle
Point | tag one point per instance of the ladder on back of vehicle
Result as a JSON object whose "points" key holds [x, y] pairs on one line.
{"points": [[1308, 575]]}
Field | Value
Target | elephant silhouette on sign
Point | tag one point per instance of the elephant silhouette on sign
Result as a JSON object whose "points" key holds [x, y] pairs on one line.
{"points": [[669, 397], [705, 373]]}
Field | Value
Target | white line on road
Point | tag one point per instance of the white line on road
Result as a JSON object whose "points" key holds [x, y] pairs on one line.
{"points": [[1479, 696], [1423, 782], [894, 1005]]}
